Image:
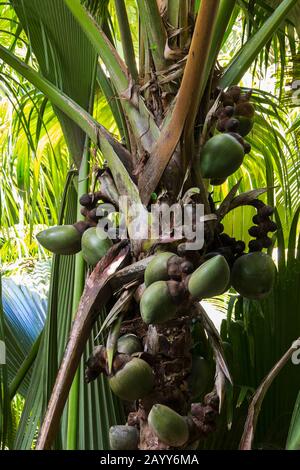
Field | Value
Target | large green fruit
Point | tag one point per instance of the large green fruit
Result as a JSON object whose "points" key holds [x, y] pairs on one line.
{"points": [[156, 304], [123, 438], [221, 156], [135, 380], [95, 244], [61, 239], [210, 279], [129, 344], [157, 269], [253, 275], [169, 426]]}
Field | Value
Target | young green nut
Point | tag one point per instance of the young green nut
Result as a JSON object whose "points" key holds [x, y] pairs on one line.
{"points": [[95, 244], [157, 269], [253, 275], [134, 381], [129, 344], [123, 438], [170, 427], [61, 239], [210, 279], [221, 156], [157, 304]]}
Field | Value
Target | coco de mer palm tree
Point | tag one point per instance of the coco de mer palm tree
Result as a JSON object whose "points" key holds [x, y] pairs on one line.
{"points": [[148, 355]]}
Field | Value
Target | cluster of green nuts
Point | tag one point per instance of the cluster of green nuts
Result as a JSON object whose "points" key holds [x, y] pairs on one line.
{"points": [[134, 379], [169, 282], [252, 275], [224, 153], [170, 428], [84, 236], [131, 377]]}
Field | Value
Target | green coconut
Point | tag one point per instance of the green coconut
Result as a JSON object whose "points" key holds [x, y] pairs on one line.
{"points": [[157, 305], [253, 275], [169, 426], [134, 381], [157, 269], [61, 239], [123, 438], [210, 279], [95, 244], [221, 156]]}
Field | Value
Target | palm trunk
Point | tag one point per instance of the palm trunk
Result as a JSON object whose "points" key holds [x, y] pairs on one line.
{"points": [[170, 347]]}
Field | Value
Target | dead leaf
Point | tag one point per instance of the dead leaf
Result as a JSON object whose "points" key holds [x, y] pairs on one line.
{"points": [[225, 205], [121, 306], [245, 199]]}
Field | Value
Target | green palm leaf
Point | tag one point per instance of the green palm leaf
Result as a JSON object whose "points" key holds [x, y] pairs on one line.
{"points": [[293, 440], [65, 57]]}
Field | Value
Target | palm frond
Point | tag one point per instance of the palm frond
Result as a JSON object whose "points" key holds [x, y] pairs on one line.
{"points": [[50, 27]]}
